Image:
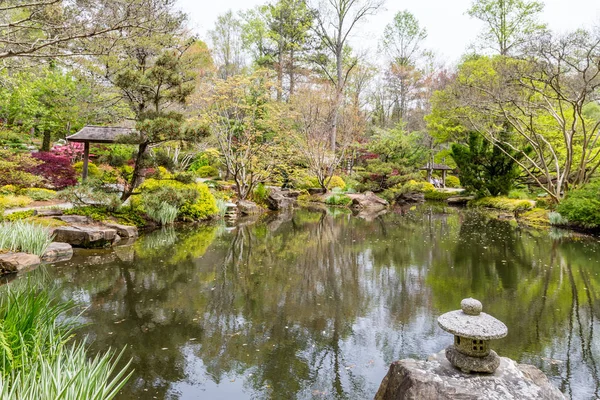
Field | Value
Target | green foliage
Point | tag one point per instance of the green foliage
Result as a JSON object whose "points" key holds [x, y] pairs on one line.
{"points": [[115, 155], [484, 168], [125, 215], [12, 201], [420, 187], [518, 194], [39, 194], [452, 181], [37, 360], [92, 192], [436, 195], [194, 201], [338, 200], [93, 170], [582, 206], [207, 171], [24, 236], [392, 157], [13, 169], [184, 177], [557, 219], [260, 194], [502, 203], [9, 189], [161, 212], [18, 215]]}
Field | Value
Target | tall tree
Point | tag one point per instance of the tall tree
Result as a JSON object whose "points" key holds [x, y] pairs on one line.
{"points": [[56, 28], [278, 36], [227, 45], [509, 23], [403, 38], [334, 22]]}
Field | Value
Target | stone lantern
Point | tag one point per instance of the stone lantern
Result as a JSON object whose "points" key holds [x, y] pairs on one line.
{"points": [[472, 330]]}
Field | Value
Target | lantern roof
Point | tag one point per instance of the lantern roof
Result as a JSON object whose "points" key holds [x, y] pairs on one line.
{"points": [[470, 322]]}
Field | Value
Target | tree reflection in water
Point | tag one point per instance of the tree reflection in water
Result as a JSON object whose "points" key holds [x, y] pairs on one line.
{"points": [[316, 304]]}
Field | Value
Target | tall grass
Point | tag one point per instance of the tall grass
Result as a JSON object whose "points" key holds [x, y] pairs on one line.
{"points": [[164, 214], [37, 358], [24, 236]]}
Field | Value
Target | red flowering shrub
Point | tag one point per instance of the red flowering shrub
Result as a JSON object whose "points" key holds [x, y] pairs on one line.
{"points": [[56, 171], [72, 150]]}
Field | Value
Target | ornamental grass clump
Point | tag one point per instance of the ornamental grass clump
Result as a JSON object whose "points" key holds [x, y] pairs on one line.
{"points": [[37, 359], [24, 236]]}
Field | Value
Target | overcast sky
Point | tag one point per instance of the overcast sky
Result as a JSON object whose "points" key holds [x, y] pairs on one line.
{"points": [[450, 30]]}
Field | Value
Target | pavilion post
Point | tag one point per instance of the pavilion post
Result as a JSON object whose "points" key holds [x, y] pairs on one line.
{"points": [[86, 157], [444, 178]]}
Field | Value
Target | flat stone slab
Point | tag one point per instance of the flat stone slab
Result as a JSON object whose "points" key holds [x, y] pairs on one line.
{"points": [[368, 200], [58, 251], [125, 231], [17, 262], [48, 212], [85, 236], [74, 219], [437, 379]]}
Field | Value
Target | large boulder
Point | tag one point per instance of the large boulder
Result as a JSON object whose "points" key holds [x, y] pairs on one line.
{"points": [[124, 231], [74, 219], [368, 200], [58, 251], [459, 200], [86, 236], [17, 262], [282, 199], [437, 379], [247, 207], [410, 198], [48, 212]]}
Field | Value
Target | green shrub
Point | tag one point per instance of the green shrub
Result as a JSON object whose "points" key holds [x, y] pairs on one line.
{"points": [[582, 206], [9, 189], [336, 182], [39, 194], [518, 194], [24, 236], [92, 192], [452, 181], [19, 215], [338, 200], [557, 219], [260, 194], [126, 215], [185, 177], [438, 196], [502, 203], [11, 201], [207, 171], [414, 186], [93, 170], [194, 201]]}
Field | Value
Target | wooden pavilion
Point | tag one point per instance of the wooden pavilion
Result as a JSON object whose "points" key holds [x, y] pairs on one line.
{"points": [[97, 134], [430, 167]]}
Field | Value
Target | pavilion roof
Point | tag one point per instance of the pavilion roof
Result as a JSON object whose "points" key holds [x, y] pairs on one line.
{"points": [[99, 134]]}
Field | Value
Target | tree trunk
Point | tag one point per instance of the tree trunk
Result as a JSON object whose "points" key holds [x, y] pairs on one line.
{"points": [[46, 141], [137, 171]]}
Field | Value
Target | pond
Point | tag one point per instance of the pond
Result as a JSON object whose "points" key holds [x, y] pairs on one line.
{"points": [[317, 304]]}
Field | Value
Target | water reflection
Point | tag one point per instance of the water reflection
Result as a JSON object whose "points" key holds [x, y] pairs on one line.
{"points": [[316, 304]]}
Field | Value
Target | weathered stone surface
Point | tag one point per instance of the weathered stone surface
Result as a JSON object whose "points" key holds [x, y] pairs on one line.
{"points": [[471, 306], [481, 327], [313, 191], [368, 200], [48, 212], [410, 197], [246, 207], [125, 231], [459, 200], [16, 262], [468, 364], [282, 199], [85, 236], [74, 219], [437, 379], [58, 251]]}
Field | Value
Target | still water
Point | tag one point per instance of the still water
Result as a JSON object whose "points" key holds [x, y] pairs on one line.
{"points": [[317, 304]]}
